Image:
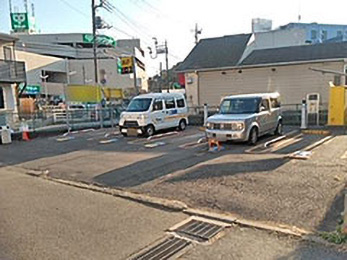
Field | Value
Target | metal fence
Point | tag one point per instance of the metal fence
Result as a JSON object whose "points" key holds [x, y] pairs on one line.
{"points": [[291, 114], [55, 117]]}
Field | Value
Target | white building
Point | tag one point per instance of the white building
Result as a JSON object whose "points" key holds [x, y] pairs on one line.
{"points": [[76, 50], [12, 73]]}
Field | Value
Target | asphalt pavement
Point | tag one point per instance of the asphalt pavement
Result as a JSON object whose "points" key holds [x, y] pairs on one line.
{"points": [[45, 220]]}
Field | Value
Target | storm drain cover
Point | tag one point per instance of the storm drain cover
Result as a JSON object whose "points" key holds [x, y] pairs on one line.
{"points": [[164, 250], [199, 230]]}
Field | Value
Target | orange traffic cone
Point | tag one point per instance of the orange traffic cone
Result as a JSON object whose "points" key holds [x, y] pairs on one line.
{"points": [[214, 145], [25, 131], [25, 136]]}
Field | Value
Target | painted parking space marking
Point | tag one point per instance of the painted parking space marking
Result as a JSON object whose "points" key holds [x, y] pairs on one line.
{"points": [[164, 136], [277, 143]]}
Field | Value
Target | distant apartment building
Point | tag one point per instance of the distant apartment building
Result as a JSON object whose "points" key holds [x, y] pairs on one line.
{"points": [[319, 33], [294, 34]]}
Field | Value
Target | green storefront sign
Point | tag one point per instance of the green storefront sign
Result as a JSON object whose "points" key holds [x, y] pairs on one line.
{"points": [[31, 89], [100, 40], [19, 22]]}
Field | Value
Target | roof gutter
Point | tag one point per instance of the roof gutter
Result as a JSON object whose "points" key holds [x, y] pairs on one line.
{"points": [[263, 65]]}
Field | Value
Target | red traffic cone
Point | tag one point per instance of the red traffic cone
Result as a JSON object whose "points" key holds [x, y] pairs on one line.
{"points": [[25, 136]]}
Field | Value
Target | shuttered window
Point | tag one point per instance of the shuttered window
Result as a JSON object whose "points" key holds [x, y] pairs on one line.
{"points": [[2, 101]]}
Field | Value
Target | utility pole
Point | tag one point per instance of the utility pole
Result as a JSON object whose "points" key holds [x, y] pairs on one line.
{"points": [[161, 76], [94, 7], [167, 64], [134, 72], [161, 49], [196, 33]]}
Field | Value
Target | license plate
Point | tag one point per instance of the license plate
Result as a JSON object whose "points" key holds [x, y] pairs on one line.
{"points": [[132, 132]]}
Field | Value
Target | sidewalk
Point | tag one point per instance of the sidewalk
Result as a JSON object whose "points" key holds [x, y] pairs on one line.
{"points": [[44, 220]]}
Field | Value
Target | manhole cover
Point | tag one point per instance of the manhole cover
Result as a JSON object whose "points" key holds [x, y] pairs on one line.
{"points": [[164, 250], [199, 230]]}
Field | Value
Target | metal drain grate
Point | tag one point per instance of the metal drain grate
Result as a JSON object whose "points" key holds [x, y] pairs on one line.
{"points": [[164, 250], [199, 230]]}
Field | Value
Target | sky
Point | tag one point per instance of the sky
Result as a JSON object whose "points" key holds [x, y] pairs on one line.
{"points": [[174, 20]]}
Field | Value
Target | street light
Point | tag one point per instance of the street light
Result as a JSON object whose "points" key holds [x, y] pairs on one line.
{"points": [[44, 79]]}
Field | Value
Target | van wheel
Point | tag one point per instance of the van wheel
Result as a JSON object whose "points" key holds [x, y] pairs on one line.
{"points": [[253, 136], [279, 128], [149, 131], [182, 125]]}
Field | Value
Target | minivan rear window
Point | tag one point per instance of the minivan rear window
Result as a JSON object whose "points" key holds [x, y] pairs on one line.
{"points": [[180, 102]]}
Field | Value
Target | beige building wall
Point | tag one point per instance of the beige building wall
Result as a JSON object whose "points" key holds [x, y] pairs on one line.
{"points": [[293, 82], [192, 82], [35, 63], [85, 73]]}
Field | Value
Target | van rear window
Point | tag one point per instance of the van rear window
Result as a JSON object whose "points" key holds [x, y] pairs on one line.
{"points": [[180, 102]]}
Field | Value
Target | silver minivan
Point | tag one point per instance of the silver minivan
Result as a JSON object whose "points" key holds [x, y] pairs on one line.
{"points": [[246, 118]]}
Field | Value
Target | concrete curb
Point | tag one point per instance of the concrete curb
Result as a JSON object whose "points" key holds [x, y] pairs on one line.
{"points": [[232, 218], [316, 132], [156, 202], [175, 205]]}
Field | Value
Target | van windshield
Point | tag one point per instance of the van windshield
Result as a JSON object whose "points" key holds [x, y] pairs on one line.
{"points": [[240, 106], [139, 105]]}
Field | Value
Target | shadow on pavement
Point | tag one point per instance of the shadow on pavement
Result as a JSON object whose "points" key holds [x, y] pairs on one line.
{"points": [[314, 251], [333, 216], [151, 169], [230, 169]]}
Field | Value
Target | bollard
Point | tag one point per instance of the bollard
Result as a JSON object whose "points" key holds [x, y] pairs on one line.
{"points": [[304, 114], [205, 113]]}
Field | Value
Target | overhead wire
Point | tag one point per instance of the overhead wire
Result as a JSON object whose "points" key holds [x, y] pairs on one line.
{"points": [[74, 8]]}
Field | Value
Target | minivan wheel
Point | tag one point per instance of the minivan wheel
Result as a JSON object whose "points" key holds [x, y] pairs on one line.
{"points": [[253, 136], [279, 128], [149, 131], [182, 125]]}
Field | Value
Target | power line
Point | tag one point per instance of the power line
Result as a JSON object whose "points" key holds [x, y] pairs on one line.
{"points": [[74, 8]]}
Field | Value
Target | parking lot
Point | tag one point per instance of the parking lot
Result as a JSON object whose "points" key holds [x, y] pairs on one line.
{"points": [[265, 185]]}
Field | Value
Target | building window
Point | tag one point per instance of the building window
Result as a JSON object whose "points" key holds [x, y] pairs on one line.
{"points": [[2, 100], [7, 53], [313, 35], [339, 34], [324, 35]]}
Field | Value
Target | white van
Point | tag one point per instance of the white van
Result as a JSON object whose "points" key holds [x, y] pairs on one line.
{"points": [[155, 111]]}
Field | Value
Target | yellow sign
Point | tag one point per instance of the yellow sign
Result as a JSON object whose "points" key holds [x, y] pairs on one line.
{"points": [[113, 93], [127, 62], [92, 94], [84, 93]]}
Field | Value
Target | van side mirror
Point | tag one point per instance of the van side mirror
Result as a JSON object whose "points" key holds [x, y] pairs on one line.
{"points": [[262, 109]]}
